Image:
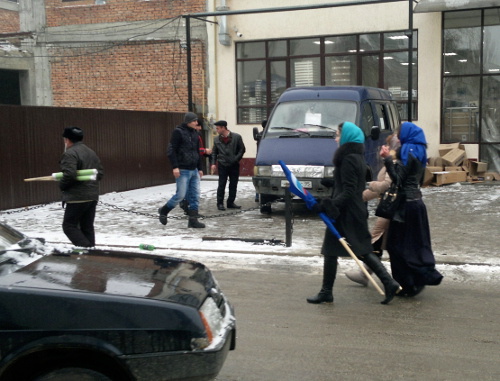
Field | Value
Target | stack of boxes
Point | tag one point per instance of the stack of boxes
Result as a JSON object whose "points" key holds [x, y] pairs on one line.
{"points": [[452, 166]]}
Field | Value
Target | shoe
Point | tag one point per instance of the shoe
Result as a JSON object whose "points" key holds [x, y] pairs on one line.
{"points": [[359, 276], [221, 207], [324, 296], [413, 291], [233, 206]]}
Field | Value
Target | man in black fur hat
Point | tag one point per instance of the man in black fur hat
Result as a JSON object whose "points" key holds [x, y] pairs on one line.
{"points": [[80, 197]]}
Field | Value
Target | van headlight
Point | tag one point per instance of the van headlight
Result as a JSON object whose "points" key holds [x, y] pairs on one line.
{"points": [[263, 170], [328, 171]]}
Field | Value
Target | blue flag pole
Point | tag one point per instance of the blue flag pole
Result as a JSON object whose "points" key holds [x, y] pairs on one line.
{"points": [[297, 189]]}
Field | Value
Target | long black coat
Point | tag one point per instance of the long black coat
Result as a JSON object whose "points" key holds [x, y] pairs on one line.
{"points": [[352, 222]]}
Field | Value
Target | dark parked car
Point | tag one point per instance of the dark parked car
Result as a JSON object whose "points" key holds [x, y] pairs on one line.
{"points": [[108, 315]]}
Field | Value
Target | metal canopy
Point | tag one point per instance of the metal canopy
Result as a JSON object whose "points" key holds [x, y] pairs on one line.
{"points": [[453, 5]]}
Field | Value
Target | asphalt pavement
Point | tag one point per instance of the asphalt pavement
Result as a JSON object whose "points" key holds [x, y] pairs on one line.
{"points": [[463, 217]]}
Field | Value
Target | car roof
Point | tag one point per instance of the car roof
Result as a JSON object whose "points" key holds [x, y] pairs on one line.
{"points": [[118, 273], [348, 93]]}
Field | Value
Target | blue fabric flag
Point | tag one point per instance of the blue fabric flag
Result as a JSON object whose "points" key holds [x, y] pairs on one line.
{"points": [[297, 189]]}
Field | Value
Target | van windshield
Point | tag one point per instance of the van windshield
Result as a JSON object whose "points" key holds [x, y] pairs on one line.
{"points": [[310, 118]]}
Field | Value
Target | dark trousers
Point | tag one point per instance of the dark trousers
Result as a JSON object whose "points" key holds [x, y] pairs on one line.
{"points": [[233, 173], [78, 223]]}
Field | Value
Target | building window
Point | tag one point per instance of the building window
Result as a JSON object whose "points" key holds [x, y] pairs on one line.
{"points": [[266, 68], [471, 81]]}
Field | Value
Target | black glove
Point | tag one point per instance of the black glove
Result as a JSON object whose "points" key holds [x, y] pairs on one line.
{"points": [[317, 208], [327, 182], [329, 208]]}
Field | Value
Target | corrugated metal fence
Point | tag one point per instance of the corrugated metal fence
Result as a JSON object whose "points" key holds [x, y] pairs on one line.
{"points": [[132, 146]]}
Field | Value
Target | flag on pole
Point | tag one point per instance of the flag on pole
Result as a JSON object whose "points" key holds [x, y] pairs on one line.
{"points": [[297, 189]]}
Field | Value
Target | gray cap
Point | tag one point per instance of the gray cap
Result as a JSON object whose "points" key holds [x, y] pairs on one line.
{"points": [[190, 117]]}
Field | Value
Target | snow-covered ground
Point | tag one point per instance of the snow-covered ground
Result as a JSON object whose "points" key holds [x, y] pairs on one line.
{"points": [[459, 216]]}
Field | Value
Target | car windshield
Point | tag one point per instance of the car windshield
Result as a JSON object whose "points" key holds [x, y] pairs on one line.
{"points": [[310, 118]]}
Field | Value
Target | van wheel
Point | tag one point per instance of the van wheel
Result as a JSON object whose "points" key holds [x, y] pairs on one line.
{"points": [[265, 203], [266, 209]]}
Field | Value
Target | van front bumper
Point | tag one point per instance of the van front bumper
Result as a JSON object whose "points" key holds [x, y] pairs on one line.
{"points": [[276, 186]]}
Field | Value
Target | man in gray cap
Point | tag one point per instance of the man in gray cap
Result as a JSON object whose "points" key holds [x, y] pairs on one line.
{"points": [[80, 197], [184, 155], [227, 152]]}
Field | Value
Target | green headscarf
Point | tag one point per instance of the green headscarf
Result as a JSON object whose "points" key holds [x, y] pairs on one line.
{"points": [[351, 134]]}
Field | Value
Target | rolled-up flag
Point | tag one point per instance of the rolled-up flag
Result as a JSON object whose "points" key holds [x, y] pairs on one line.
{"points": [[81, 175], [80, 172]]}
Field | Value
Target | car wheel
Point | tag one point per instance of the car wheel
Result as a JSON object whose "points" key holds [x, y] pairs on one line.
{"points": [[72, 374]]}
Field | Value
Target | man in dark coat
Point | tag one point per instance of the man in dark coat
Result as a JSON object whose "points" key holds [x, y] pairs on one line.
{"points": [[349, 211], [228, 150], [184, 155], [80, 197]]}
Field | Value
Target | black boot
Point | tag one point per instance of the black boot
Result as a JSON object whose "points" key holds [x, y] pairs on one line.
{"points": [[163, 212], [193, 220], [329, 273], [184, 206], [391, 287]]}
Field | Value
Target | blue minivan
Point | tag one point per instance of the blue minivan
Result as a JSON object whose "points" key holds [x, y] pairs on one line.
{"points": [[301, 131]]}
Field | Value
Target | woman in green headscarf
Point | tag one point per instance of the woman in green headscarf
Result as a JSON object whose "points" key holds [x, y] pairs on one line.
{"points": [[347, 208]]}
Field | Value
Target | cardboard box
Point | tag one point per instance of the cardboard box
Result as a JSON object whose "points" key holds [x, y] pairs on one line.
{"points": [[434, 169], [450, 169], [489, 176], [435, 162], [454, 158], [429, 174], [477, 167], [441, 178], [445, 148]]}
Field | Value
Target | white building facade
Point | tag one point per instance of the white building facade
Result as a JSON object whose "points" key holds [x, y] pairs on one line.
{"points": [[254, 57]]}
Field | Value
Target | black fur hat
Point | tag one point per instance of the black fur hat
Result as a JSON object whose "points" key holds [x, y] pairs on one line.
{"points": [[75, 134]]}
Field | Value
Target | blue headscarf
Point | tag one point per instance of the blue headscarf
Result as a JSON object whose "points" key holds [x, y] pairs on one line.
{"points": [[413, 142], [351, 134]]}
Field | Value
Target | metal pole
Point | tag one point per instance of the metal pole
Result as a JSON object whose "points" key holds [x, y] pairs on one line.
{"points": [[288, 218], [410, 59], [188, 59]]}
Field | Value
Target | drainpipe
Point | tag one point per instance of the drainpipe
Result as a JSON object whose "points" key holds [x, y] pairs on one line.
{"points": [[224, 37], [410, 59]]}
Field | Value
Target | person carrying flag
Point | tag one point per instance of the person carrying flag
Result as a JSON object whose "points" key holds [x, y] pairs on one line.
{"points": [[347, 208]]}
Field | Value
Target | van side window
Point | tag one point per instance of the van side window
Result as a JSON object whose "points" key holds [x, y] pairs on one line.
{"points": [[383, 116], [366, 118], [396, 115]]}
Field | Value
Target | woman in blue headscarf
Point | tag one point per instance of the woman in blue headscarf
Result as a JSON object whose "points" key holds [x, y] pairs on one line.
{"points": [[347, 208], [409, 240]]}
